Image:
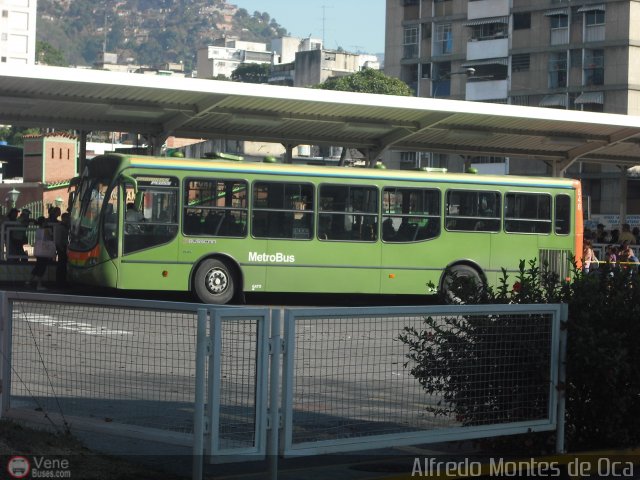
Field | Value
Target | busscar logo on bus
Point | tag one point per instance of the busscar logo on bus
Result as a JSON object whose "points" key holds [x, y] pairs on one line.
{"points": [[271, 257]]}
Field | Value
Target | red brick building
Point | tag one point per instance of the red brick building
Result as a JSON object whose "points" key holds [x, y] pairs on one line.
{"points": [[49, 162]]}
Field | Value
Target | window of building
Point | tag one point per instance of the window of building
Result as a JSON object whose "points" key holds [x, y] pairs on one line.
{"points": [[442, 7], [410, 42], [488, 31], [527, 213], [563, 215], [520, 62], [594, 67], [426, 70], [594, 17], [443, 39], [558, 70], [282, 210], [440, 79], [410, 214], [522, 21], [469, 210], [348, 213], [215, 207], [559, 21]]}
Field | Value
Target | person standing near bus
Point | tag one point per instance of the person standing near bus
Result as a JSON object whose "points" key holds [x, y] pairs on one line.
{"points": [[588, 256], [61, 239], [44, 250], [626, 234]]}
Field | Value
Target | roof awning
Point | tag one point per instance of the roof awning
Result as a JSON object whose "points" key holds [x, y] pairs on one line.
{"points": [[590, 97], [556, 11], [591, 8], [486, 61], [486, 21], [558, 100]]}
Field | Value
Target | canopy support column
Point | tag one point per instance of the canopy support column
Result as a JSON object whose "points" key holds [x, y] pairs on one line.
{"points": [[624, 184], [82, 153], [288, 154]]}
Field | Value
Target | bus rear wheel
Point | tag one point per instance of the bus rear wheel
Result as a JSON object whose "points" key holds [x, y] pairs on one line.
{"points": [[459, 271], [214, 282]]}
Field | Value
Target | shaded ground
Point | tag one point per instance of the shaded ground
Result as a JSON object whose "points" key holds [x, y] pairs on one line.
{"points": [[83, 464]]}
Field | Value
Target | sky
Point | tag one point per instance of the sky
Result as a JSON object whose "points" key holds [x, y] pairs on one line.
{"points": [[354, 25]]}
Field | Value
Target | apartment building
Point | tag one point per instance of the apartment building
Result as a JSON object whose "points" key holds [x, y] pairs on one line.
{"points": [[564, 54], [18, 31], [226, 54]]}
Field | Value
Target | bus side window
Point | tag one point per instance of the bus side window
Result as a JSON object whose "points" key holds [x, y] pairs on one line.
{"points": [[527, 213], [348, 213], [563, 215], [410, 214], [282, 210]]}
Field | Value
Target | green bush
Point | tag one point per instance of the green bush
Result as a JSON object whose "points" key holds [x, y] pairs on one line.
{"points": [[603, 355]]}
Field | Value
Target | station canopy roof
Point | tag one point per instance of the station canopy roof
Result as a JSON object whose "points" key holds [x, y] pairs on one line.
{"points": [[82, 99]]}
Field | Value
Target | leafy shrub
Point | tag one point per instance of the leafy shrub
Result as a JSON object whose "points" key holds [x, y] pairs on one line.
{"points": [[452, 356]]}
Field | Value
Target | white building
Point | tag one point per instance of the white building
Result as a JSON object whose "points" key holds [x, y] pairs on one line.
{"points": [[18, 31], [221, 60]]}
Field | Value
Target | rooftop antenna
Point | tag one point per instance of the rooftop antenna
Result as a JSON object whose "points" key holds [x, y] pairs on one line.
{"points": [[324, 18]]}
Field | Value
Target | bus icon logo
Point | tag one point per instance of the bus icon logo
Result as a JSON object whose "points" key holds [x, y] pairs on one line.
{"points": [[18, 467]]}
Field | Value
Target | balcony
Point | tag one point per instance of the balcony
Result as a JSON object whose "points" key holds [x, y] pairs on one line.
{"points": [[486, 90], [559, 36], [479, 49], [594, 33]]}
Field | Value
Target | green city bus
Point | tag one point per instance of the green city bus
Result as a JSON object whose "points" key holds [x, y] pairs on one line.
{"points": [[219, 228]]}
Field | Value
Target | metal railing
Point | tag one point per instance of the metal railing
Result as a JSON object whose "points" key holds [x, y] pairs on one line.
{"points": [[232, 383]]}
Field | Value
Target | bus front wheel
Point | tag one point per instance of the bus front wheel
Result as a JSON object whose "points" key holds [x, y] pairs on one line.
{"points": [[214, 282]]}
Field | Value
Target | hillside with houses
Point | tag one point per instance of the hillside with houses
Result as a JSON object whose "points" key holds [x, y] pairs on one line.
{"points": [[146, 32]]}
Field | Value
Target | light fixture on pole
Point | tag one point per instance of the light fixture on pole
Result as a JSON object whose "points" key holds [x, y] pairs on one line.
{"points": [[13, 196], [468, 72]]}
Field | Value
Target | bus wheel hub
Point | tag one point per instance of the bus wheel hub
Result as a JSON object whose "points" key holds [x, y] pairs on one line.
{"points": [[216, 281]]}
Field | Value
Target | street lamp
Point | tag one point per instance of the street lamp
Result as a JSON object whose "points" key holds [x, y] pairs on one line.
{"points": [[13, 197], [468, 72]]}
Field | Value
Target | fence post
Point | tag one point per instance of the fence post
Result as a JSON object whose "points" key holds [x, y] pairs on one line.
{"points": [[562, 378], [274, 398], [198, 414], [6, 325]]}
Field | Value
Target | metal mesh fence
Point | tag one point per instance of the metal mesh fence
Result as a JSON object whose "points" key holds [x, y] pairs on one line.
{"points": [[116, 364], [238, 368], [353, 377]]}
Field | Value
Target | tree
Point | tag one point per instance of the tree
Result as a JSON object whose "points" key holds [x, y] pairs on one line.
{"points": [[47, 54], [251, 73], [368, 80]]}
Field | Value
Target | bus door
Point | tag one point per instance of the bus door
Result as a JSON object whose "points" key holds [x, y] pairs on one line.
{"points": [[411, 254], [149, 247]]}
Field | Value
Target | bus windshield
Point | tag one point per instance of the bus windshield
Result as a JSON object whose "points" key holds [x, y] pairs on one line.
{"points": [[85, 214]]}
